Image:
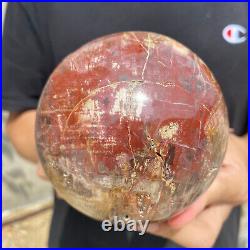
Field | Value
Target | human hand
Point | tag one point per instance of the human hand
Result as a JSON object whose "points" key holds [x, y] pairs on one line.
{"points": [[201, 232], [41, 173], [228, 189]]}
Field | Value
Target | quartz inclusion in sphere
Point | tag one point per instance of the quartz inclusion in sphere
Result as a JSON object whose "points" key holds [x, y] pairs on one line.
{"points": [[131, 125]]}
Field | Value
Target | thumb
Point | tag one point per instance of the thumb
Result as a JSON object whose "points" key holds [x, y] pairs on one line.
{"points": [[40, 172], [188, 214]]}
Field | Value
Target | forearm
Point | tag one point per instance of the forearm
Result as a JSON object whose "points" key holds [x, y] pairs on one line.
{"points": [[20, 129]]}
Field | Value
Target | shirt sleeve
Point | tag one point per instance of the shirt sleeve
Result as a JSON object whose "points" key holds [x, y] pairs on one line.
{"points": [[25, 60]]}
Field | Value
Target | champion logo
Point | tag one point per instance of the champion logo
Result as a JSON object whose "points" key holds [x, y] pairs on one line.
{"points": [[234, 33]]}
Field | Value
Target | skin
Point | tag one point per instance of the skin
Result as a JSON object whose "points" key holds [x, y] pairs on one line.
{"points": [[204, 218], [20, 128], [206, 215]]}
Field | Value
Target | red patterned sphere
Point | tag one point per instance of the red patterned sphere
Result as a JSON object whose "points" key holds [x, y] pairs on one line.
{"points": [[132, 124]]}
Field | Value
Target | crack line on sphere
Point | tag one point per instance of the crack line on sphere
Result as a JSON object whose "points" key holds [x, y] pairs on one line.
{"points": [[146, 61], [55, 111], [171, 57], [90, 152], [169, 84], [200, 76], [157, 128], [144, 67], [184, 146], [205, 107], [136, 38], [200, 132], [176, 103], [129, 143], [163, 64]]}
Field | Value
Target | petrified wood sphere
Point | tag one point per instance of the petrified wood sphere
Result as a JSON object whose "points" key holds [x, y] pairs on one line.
{"points": [[132, 124]]}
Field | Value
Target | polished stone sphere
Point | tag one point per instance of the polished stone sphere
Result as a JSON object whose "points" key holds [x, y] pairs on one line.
{"points": [[132, 125]]}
